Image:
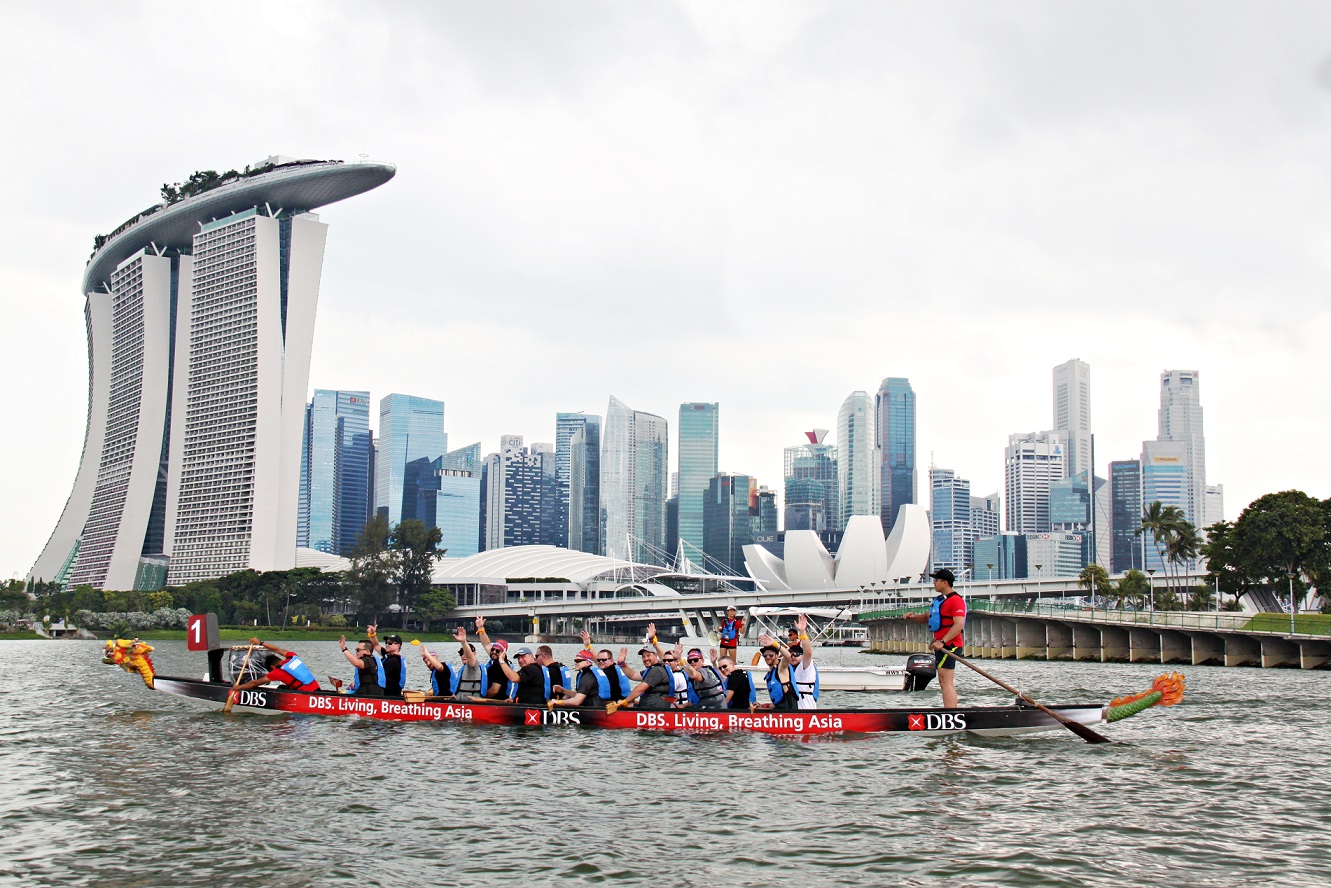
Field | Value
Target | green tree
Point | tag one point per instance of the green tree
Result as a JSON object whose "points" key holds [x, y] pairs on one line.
{"points": [[157, 600], [415, 549], [434, 604], [1284, 534], [1183, 547], [371, 570], [1201, 598], [1223, 563], [1133, 588], [1095, 579]]}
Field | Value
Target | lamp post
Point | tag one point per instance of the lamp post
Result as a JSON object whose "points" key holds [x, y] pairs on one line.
{"points": [[991, 582], [1150, 577], [1037, 582], [1291, 604]]}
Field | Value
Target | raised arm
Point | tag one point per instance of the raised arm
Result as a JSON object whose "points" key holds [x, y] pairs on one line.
{"points": [[430, 659], [802, 625], [271, 647], [351, 658], [468, 655]]}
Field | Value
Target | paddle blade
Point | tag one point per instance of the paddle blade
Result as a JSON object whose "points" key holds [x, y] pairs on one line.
{"points": [[1084, 732]]}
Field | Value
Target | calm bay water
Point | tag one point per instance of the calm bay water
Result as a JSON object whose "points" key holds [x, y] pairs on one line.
{"points": [[103, 780]]}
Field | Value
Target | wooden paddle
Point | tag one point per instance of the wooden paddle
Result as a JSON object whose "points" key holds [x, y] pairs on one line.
{"points": [[1075, 727], [231, 697]]}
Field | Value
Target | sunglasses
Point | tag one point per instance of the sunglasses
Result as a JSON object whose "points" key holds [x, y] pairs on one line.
{"points": [[695, 659], [668, 659]]}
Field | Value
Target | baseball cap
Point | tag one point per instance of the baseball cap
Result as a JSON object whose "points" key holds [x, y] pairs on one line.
{"points": [[523, 651], [587, 655], [501, 644], [392, 639], [945, 575]]}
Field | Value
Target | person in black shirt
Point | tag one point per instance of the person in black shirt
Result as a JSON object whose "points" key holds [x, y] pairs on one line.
{"points": [[529, 675], [390, 654], [588, 688], [738, 684]]}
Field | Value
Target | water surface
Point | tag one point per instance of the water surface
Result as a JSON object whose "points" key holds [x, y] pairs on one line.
{"points": [[101, 779]]}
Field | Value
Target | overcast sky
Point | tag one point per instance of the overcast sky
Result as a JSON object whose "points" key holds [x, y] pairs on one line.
{"points": [[767, 205]]}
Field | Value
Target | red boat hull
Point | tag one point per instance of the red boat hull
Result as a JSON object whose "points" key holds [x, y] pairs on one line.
{"points": [[983, 719]]}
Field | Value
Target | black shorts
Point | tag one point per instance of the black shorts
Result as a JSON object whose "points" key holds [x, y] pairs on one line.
{"points": [[949, 663]]}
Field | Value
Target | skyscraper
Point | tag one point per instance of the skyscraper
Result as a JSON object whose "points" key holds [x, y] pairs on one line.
{"points": [[1072, 413], [446, 493], [811, 485], [520, 491], [1125, 515], [729, 522], [334, 471], [1032, 462], [200, 316], [410, 428], [949, 511], [986, 515], [584, 487], [1181, 421], [895, 439], [698, 444], [857, 468], [1166, 480], [634, 479], [567, 426]]}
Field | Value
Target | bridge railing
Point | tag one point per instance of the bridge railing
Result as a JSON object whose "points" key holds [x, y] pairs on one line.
{"points": [[1304, 624]]}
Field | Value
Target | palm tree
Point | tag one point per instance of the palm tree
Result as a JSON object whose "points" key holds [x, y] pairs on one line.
{"points": [[1184, 545], [1162, 522]]}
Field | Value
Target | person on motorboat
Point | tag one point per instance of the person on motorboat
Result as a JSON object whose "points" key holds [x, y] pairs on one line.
{"points": [[593, 685], [705, 687], [739, 688], [780, 686], [731, 630], [368, 680], [284, 667], [802, 670]]}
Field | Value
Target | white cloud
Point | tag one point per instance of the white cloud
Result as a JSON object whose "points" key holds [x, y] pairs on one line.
{"points": [[766, 205]]}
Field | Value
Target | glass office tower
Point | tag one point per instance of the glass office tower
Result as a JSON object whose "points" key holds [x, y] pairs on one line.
{"points": [[335, 471], [698, 443]]}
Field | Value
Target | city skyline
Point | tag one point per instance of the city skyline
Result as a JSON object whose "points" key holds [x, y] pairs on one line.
{"points": [[1004, 197]]}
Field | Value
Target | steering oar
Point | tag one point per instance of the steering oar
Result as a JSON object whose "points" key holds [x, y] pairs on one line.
{"points": [[1075, 727]]}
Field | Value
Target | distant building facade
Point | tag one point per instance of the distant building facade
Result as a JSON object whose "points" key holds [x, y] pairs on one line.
{"points": [[1181, 422], [1072, 413], [857, 467], [335, 471], [584, 479], [699, 440], [520, 495], [1125, 515], [894, 418], [1032, 462], [812, 485], [411, 428], [950, 520], [634, 483]]}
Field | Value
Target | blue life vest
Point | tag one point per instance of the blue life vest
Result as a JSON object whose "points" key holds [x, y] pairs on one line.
{"points": [[670, 674], [602, 684], [774, 688], [564, 678], [730, 631], [295, 667], [622, 682], [719, 692], [936, 613], [453, 677], [379, 666]]}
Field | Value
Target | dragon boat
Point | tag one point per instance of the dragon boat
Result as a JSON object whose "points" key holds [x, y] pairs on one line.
{"points": [[416, 706]]}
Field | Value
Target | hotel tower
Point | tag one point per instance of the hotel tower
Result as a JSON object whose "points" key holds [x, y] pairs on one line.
{"points": [[200, 318]]}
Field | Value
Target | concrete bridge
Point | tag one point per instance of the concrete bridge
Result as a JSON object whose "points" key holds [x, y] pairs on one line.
{"points": [[1029, 630]]}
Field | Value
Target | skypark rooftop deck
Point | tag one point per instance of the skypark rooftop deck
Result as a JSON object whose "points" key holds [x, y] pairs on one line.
{"points": [[294, 187]]}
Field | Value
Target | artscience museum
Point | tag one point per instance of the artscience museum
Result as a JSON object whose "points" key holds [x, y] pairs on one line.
{"points": [[865, 557]]}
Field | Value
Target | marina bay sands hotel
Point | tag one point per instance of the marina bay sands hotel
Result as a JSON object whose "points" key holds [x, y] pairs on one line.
{"points": [[200, 316]]}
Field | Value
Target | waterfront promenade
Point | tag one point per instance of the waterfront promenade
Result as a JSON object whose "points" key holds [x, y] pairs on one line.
{"points": [[1026, 630]]}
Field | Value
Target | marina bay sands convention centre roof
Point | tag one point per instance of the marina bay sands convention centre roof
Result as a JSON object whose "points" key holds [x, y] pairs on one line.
{"points": [[498, 565], [291, 185]]}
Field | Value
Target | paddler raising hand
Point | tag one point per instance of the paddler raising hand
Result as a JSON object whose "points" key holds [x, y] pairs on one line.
{"points": [[654, 682], [780, 685]]}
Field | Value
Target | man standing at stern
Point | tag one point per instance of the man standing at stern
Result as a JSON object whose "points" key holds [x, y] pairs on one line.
{"points": [[946, 619]]}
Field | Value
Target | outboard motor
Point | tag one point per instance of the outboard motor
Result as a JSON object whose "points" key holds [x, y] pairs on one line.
{"points": [[920, 670]]}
